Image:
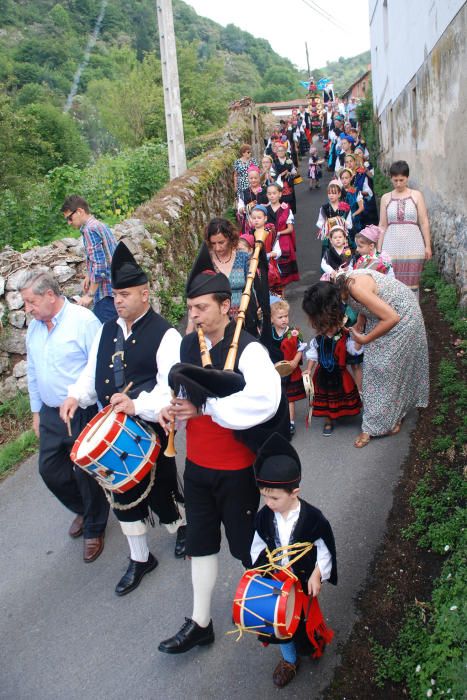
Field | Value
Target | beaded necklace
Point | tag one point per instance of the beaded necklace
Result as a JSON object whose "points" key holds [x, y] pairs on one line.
{"points": [[327, 360]]}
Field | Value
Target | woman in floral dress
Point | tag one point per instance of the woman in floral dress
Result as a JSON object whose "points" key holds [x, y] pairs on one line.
{"points": [[241, 166], [404, 220], [390, 326]]}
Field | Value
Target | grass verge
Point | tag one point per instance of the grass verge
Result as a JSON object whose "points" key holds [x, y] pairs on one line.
{"points": [[17, 450]]}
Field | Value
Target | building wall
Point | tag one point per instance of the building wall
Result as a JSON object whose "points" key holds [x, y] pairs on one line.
{"points": [[403, 33], [423, 125]]}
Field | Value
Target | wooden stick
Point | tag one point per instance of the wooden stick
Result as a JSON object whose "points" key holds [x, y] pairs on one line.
{"points": [[107, 408], [68, 427]]}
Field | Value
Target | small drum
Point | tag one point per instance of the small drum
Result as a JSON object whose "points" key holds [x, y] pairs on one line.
{"points": [[116, 449], [268, 606], [284, 368]]}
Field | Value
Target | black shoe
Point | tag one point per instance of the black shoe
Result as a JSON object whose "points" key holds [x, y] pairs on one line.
{"points": [[189, 635], [180, 543], [292, 429], [135, 572]]}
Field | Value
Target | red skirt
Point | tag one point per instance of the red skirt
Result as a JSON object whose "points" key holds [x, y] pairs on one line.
{"points": [[336, 404]]}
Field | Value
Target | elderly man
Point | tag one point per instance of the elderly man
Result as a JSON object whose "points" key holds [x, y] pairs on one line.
{"points": [[58, 342]]}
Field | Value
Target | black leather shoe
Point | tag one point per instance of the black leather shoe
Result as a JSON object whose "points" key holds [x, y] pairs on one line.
{"points": [[180, 543], [135, 572], [189, 635]]}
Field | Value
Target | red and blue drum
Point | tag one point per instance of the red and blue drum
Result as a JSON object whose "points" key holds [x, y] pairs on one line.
{"points": [[268, 606], [116, 449]]}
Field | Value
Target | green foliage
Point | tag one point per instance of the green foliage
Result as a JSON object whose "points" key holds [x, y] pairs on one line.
{"points": [[17, 450], [447, 298], [17, 407], [427, 654]]}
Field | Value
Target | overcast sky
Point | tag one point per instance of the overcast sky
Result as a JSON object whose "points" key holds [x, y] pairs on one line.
{"points": [[288, 24]]}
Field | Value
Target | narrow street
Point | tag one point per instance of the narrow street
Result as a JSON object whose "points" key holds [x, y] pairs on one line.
{"points": [[64, 635]]}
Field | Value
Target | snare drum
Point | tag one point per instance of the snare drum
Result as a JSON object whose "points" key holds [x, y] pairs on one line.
{"points": [[268, 606], [116, 449]]}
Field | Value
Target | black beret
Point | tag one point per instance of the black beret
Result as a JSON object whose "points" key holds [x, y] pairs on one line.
{"points": [[208, 282], [277, 464]]}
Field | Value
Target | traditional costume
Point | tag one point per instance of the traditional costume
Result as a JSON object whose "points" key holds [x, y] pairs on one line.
{"points": [[142, 355], [336, 394], [281, 218], [278, 467], [285, 347], [286, 170], [221, 443]]}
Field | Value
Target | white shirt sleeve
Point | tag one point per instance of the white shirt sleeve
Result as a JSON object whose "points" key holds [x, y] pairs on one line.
{"points": [[240, 204], [312, 352], [257, 547], [351, 349], [349, 221], [290, 218], [323, 559], [277, 248], [149, 403], [259, 399], [321, 219], [84, 389], [326, 267]]}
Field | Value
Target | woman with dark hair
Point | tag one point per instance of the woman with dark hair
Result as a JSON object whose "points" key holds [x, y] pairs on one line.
{"points": [[406, 229], [241, 166], [391, 329]]}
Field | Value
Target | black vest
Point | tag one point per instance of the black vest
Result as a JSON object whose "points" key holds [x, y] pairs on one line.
{"points": [[139, 349]]}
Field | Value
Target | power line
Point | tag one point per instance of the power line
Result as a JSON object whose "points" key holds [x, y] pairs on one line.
{"points": [[329, 18]]}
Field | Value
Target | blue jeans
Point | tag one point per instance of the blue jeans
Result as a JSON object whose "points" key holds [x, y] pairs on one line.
{"points": [[105, 309]]}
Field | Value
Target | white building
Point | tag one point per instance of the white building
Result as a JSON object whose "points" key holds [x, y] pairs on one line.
{"points": [[419, 67]]}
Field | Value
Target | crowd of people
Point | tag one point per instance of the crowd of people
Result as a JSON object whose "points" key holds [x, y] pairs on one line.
{"points": [[234, 379]]}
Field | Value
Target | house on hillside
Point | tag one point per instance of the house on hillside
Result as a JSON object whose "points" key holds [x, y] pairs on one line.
{"points": [[419, 78], [284, 109], [359, 88]]}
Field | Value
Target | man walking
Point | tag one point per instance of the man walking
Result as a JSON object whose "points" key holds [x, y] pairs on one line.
{"points": [[58, 342], [99, 245]]}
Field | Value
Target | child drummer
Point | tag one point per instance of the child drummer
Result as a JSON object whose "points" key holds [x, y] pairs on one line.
{"points": [[286, 519]]}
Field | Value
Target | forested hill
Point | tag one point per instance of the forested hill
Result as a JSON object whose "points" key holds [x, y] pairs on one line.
{"points": [[344, 71], [42, 43]]}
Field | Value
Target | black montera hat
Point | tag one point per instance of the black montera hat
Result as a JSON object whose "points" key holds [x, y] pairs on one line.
{"points": [[125, 271], [208, 282], [277, 464]]}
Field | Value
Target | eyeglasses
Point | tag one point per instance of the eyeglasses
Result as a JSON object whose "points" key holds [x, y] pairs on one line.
{"points": [[70, 216]]}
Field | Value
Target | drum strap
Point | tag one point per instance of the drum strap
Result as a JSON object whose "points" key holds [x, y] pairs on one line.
{"points": [[117, 360]]}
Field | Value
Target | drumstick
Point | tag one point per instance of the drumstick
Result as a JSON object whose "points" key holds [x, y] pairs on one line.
{"points": [[99, 423], [68, 427]]}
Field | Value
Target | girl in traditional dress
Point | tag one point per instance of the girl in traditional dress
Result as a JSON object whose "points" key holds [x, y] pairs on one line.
{"points": [[314, 168], [336, 394], [354, 199], [286, 171], [267, 174], [241, 166], [254, 194], [406, 229], [338, 254], [272, 248], [281, 216], [368, 256], [333, 208], [287, 344]]}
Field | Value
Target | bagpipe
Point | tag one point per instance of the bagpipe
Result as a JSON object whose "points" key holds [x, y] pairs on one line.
{"points": [[197, 384], [271, 603]]}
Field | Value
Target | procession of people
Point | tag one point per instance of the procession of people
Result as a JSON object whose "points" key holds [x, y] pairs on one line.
{"points": [[109, 390]]}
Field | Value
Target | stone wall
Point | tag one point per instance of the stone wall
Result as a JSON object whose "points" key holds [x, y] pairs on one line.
{"points": [[425, 126], [164, 235]]}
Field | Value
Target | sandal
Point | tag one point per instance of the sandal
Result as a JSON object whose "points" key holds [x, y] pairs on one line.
{"points": [[396, 429], [362, 440]]}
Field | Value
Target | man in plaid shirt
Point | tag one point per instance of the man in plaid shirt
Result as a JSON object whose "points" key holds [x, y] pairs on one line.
{"points": [[99, 245]]}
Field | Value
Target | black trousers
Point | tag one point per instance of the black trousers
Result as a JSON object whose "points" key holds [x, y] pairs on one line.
{"points": [[71, 485], [214, 497]]}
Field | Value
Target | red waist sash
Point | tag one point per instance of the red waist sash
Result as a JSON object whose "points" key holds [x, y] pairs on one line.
{"points": [[210, 445]]}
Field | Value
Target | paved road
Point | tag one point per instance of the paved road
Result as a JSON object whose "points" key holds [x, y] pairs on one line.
{"points": [[64, 635]]}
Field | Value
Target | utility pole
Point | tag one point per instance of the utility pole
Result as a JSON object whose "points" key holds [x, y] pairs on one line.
{"points": [[307, 59], [172, 104]]}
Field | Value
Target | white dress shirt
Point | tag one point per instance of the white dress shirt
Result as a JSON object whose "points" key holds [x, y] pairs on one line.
{"points": [[148, 403]]}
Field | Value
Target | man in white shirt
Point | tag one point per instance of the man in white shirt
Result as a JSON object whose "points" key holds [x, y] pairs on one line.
{"points": [[139, 347]]}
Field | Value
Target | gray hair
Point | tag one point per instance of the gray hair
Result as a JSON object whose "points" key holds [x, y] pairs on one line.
{"points": [[39, 282]]}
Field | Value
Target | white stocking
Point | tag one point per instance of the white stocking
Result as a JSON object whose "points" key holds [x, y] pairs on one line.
{"points": [[203, 576], [139, 550]]}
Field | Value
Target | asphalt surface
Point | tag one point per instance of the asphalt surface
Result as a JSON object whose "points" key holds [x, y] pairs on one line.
{"points": [[64, 635]]}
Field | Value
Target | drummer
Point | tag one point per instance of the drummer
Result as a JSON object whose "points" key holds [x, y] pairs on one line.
{"points": [[286, 519], [219, 481], [147, 346]]}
